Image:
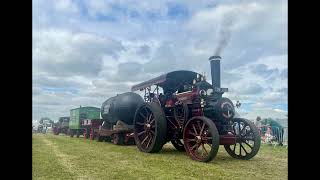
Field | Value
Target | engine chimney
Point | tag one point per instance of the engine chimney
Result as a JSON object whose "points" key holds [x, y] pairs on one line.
{"points": [[215, 70]]}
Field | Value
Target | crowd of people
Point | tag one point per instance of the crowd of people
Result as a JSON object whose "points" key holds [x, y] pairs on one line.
{"points": [[271, 132]]}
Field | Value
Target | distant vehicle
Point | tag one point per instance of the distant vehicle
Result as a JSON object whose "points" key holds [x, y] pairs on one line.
{"points": [[77, 116], [62, 126]]}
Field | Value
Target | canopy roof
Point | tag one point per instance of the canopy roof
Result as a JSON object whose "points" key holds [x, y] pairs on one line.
{"points": [[170, 81]]}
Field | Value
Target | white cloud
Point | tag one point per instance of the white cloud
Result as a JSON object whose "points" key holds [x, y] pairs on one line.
{"points": [[265, 113], [66, 6], [82, 57], [66, 53]]}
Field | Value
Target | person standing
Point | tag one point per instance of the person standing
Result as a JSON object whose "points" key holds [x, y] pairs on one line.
{"points": [[257, 122]]}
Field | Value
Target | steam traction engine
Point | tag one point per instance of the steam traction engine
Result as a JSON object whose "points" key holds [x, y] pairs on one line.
{"points": [[193, 115]]}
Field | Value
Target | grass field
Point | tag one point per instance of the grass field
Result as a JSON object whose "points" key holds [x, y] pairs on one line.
{"points": [[62, 157]]}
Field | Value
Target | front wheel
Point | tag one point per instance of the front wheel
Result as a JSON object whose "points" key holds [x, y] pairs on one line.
{"points": [[248, 140], [201, 139]]}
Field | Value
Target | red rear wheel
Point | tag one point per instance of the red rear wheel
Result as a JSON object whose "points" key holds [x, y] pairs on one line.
{"points": [[150, 127]]}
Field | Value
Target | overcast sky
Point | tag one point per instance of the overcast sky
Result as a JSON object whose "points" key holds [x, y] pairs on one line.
{"points": [[87, 51]]}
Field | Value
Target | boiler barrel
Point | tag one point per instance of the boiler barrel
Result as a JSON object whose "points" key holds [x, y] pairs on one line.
{"points": [[121, 107]]}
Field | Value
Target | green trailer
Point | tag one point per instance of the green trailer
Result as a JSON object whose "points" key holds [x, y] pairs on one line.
{"points": [[77, 115]]}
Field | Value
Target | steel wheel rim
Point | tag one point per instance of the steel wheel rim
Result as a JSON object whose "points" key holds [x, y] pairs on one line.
{"points": [[145, 127], [198, 139]]}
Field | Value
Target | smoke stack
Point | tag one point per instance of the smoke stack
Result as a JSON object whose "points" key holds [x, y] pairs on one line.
{"points": [[215, 70]]}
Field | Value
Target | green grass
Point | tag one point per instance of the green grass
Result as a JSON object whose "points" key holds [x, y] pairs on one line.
{"points": [[62, 157]]}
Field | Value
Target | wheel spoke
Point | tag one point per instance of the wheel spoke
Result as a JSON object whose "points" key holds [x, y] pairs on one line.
{"points": [[191, 140], [247, 144], [149, 142], [142, 132], [205, 149], [194, 128], [192, 133], [152, 132], [144, 139], [173, 124], [207, 140], [202, 128], [143, 116], [139, 123], [241, 146], [149, 117], [152, 121], [244, 127], [234, 130], [240, 149], [195, 146], [234, 148]]}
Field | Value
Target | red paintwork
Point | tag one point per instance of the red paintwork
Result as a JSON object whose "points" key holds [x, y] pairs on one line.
{"points": [[169, 103], [91, 126], [186, 97], [127, 138], [227, 139]]}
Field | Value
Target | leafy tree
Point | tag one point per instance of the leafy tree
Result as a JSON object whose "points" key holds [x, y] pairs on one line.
{"points": [[45, 118]]}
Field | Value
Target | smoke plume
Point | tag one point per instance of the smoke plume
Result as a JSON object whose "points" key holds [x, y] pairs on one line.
{"points": [[224, 33]]}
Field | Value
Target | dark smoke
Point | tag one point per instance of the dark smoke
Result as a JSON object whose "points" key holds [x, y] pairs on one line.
{"points": [[224, 33]]}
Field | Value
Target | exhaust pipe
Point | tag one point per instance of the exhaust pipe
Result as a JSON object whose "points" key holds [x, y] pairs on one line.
{"points": [[215, 71]]}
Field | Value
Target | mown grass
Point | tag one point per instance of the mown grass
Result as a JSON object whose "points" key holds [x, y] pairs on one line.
{"points": [[62, 157]]}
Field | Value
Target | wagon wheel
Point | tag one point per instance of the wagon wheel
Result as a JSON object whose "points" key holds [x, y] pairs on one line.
{"points": [[78, 133], [87, 133], [201, 139], [71, 132], [56, 131], [118, 139], [98, 137], [150, 127], [107, 139], [248, 140], [178, 144]]}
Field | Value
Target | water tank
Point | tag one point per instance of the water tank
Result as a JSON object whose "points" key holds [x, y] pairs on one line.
{"points": [[121, 107]]}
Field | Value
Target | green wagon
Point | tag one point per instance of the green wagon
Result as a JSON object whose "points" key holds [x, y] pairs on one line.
{"points": [[77, 115]]}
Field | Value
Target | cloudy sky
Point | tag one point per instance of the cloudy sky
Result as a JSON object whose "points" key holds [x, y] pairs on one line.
{"points": [[87, 51]]}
